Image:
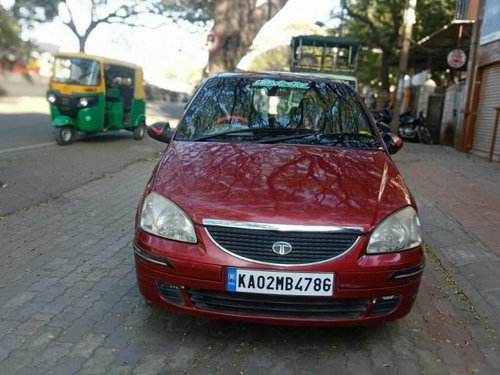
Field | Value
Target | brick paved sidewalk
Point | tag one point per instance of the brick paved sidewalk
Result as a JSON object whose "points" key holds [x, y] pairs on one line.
{"points": [[459, 201], [69, 304]]}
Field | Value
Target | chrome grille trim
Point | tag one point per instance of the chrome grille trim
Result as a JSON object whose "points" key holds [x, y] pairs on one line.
{"points": [[282, 227]]}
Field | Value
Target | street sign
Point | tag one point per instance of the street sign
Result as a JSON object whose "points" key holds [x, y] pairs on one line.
{"points": [[213, 42], [456, 58]]}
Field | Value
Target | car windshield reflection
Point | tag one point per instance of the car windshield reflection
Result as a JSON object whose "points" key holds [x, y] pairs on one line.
{"points": [[273, 111]]}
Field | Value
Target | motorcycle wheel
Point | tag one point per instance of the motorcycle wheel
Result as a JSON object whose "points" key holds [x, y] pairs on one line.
{"points": [[425, 136]]}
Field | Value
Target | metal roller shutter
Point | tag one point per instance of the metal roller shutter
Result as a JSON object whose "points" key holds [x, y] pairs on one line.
{"points": [[488, 100]]}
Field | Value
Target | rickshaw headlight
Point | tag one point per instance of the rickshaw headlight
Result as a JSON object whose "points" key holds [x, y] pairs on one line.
{"points": [[162, 217], [83, 102], [51, 98]]}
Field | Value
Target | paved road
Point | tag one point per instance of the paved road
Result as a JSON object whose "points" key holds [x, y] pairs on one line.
{"points": [[69, 305], [69, 302], [34, 169]]}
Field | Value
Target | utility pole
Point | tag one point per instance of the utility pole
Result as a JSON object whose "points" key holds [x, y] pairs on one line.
{"points": [[409, 20]]}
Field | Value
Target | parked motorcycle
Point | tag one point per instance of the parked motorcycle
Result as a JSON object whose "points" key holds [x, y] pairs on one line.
{"points": [[414, 128], [411, 128], [383, 115]]}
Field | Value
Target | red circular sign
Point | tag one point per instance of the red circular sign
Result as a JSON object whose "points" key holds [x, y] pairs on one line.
{"points": [[456, 58], [213, 41]]}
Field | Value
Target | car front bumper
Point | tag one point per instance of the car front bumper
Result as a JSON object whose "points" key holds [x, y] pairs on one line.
{"points": [[367, 289]]}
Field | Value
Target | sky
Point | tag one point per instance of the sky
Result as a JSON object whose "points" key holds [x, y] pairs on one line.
{"points": [[171, 53]]}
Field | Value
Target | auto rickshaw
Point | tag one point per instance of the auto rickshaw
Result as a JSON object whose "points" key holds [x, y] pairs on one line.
{"points": [[92, 94]]}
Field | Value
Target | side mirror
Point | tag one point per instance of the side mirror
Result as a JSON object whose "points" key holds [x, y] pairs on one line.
{"points": [[161, 131], [393, 143]]}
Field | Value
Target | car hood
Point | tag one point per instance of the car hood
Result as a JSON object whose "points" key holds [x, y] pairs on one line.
{"points": [[285, 184]]}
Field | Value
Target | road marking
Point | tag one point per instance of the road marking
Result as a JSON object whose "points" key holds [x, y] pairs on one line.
{"points": [[22, 148]]}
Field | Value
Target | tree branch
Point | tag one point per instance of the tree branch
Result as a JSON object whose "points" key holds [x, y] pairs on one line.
{"points": [[363, 18], [395, 13], [71, 22], [376, 36]]}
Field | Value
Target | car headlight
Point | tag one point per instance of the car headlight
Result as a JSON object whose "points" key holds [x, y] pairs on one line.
{"points": [[162, 217], [400, 231]]}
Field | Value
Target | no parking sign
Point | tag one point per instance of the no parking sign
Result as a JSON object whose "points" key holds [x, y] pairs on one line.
{"points": [[213, 41], [456, 58]]}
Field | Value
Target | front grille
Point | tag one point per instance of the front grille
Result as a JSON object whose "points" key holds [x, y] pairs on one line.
{"points": [[257, 245], [67, 105], [279, 306]]}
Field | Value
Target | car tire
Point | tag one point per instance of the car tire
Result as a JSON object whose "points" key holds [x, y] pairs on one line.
{"points": [[139, 131], [64, 135]]}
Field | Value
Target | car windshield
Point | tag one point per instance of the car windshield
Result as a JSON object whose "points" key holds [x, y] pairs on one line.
{"points": [[268, 110], [76, 71]]}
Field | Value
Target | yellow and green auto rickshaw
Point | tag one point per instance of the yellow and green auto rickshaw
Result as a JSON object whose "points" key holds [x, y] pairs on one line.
{"points": [[92, 94]]}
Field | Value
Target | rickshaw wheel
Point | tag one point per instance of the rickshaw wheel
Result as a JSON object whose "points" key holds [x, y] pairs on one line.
{"points": [[64, 135], [139, 131]]}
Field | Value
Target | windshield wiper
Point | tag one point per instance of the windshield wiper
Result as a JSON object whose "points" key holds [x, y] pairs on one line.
{"points": [[320, 137], [347, 135], [350, 140], [277, 135], [256, 132], [304, 134], [215, 135]]}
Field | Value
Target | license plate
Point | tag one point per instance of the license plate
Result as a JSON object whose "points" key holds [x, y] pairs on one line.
{"points": [[282, 283]]}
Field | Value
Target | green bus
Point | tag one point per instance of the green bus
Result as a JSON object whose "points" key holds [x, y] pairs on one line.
{"points": [[333, 56]]}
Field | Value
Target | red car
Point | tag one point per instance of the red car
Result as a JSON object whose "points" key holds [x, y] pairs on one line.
{"points": [[276, 201]]}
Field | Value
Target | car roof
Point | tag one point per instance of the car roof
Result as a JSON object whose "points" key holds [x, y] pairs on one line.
{"points": [[302, 76]]}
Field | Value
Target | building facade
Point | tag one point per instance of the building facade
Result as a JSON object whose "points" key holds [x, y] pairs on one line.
{"points": [[478, 131], [468, 51]]}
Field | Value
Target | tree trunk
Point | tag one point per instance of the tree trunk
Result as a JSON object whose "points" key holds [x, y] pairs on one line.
{"points": [[82, 40], [236, 24], [384, 70]]}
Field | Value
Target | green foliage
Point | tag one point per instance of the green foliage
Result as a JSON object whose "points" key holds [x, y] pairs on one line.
{"points": [[368, 64], [376, 23], [379, 25], [431, 16], [194, 11], [33, 11], [9, 29]]}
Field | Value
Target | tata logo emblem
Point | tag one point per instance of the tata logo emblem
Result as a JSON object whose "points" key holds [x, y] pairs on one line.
{"points": [[282, 248]]}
